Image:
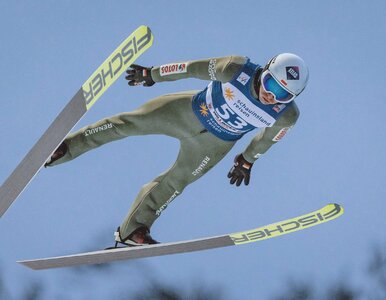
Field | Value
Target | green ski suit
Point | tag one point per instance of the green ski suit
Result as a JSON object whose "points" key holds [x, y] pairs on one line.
{"points": [[172, 115]]}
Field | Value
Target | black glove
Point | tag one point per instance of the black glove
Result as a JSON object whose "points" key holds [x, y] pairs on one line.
{"points": [[139, 75], [240, 171]]}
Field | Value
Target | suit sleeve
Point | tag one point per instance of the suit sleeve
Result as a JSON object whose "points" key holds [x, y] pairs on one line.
{"points": [[269, 136], [215, 69]]}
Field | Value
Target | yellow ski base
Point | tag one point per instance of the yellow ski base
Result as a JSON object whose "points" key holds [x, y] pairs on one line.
{"points": [[127, 52], [325, 214]]}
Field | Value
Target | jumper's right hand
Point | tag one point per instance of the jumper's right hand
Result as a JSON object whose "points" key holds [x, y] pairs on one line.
{"points": [[139, 75]]}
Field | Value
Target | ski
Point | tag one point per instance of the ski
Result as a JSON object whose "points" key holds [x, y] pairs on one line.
{"points": [[94, 87], [325, 214]]}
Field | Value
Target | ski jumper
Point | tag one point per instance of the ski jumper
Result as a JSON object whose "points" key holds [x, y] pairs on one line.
{"points": [[207, 123]]}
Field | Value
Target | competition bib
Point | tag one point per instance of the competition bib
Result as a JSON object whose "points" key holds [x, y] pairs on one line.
{"points": [[228, 110]]}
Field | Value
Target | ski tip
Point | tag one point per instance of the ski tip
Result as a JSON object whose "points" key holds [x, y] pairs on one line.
{"points": [[26, 264], [337, 206], [333, 210], [145, 28]]}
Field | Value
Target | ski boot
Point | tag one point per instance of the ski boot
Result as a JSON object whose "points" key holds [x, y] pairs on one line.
{"points": [[59, 153], [140, 237]]}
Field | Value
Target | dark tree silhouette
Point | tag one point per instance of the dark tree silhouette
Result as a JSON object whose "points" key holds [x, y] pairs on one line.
{"points": [[297, 291], [342, 292], [34, 291]]}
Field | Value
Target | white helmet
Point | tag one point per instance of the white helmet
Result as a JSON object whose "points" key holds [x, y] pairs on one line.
{"points": [[289, 71]]}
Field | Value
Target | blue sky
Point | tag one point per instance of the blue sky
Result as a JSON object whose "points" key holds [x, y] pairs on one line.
{"points": [[335, 153]]}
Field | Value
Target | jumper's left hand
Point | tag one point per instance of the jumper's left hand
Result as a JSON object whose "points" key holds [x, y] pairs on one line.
{"points": [[241, 171], [139, 75]]}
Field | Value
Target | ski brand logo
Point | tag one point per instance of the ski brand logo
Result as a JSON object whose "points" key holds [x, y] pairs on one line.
{"points": [[116, 63], [173, 69], [292, 73], [163, 207], [287, 226]]}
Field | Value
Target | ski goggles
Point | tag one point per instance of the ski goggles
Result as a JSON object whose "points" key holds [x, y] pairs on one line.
{"points": [[271, 86]]}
